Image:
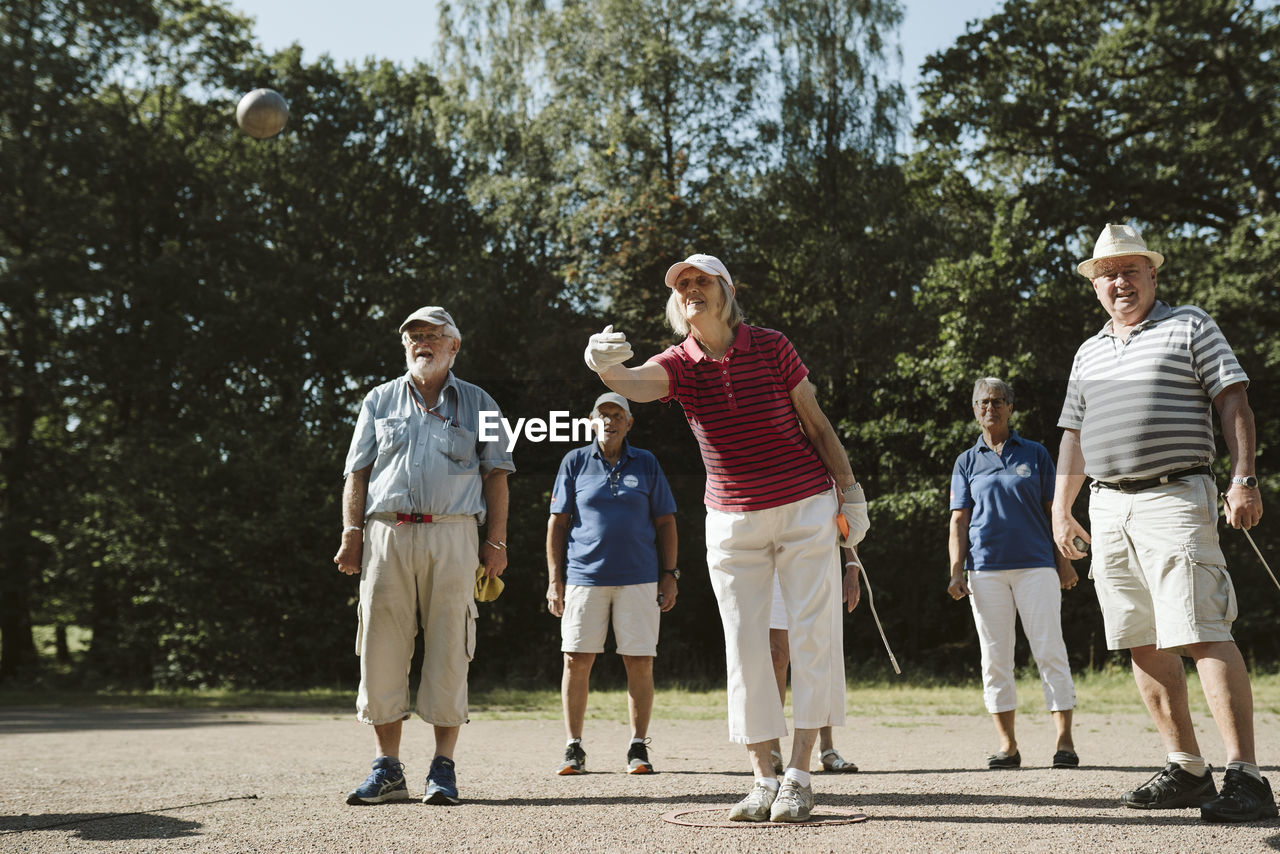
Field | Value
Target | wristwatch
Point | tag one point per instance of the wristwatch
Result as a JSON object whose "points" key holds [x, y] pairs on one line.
{"points": [[1248, 481], [674, 573]]}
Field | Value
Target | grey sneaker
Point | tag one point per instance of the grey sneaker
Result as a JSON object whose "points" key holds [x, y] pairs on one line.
{"points": [[755, 806], [794, 803], [575, 760]]}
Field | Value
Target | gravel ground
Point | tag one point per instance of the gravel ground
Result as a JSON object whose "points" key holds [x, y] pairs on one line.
{"points": [[146, 780]]}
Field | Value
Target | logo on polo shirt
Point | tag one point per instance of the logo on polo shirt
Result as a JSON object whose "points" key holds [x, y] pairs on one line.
{"points": [[1023, 470], [630, 480]]}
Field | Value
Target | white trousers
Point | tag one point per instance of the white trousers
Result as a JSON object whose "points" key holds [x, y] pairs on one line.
{"points": [[744, 550], [998, 598]]}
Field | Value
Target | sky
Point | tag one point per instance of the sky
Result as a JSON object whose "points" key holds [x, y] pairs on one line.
{"points": [[405, 30]]}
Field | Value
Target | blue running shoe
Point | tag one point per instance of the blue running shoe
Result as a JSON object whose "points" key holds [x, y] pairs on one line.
{"points": [[442, 784], [385, 783]]}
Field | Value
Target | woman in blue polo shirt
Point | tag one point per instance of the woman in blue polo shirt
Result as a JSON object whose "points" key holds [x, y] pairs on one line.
{"points": [[1001, 497]]}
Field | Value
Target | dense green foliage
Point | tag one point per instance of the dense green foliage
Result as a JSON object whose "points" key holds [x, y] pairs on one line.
{"points": [[189, 317]]}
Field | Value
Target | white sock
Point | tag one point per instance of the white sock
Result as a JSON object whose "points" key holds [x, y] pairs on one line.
{"points": [[804, 778], [771, 782], [1247, 767], [1189, 762], [638, 740], [573, 741]]}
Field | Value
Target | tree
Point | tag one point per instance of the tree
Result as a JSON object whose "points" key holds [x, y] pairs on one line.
{"points": [[1067, 116]]}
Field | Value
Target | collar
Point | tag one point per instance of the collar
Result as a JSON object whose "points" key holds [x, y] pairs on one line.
{"points": [[450, 382], [1014, 439], [1159, 312], [626, 452], [741, 341]]}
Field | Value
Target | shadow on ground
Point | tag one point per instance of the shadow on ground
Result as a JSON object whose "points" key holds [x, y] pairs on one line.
{"points": [[15, 721], [101, 826]]}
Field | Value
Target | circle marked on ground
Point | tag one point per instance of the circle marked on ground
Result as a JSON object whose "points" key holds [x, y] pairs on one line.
{"points": [[829, 816]]}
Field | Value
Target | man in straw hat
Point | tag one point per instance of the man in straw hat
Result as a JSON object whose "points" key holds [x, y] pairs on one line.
{"points": [[418, 481], [1137, 421]]}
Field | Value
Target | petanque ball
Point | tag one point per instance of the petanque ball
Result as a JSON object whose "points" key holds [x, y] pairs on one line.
{"points": [[262, 113], [1080, 544]]}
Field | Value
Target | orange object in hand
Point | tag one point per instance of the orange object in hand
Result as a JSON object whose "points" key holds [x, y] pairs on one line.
{"points": [[843, 524]]}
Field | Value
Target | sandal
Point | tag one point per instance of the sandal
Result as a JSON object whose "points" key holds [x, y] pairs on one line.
{"points": [[835, 763], [778, 766]]}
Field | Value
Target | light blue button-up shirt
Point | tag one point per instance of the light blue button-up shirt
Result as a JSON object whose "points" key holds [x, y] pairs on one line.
{"points": [[426, 459]]}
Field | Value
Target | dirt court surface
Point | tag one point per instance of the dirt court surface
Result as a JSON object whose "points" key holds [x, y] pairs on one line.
{"points": [[143, 780]]}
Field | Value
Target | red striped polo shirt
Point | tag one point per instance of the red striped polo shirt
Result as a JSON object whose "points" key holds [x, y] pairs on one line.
{"points": [[741, 413]]}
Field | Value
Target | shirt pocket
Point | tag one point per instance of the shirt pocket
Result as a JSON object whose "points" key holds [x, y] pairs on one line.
{"points": [[460, 445], [391, 433]]}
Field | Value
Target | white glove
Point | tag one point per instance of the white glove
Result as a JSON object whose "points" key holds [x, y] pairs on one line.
{"points": [[853, 508], [606, 349]]}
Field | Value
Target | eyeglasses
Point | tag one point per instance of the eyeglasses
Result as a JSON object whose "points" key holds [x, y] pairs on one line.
{"points": [[1129, 274], [990, 403], [431, 338]]}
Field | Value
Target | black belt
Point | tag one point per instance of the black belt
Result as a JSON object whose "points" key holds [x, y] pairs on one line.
{"points": [[1147, 483]]}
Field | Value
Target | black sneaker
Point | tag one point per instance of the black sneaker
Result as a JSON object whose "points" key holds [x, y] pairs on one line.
{"points": [[575, 760], [1171, 788], [1005, 760], [638, 758], [1243, 799]]}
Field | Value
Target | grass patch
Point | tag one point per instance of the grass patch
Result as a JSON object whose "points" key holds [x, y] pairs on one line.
{"points": [[209, 698], [1105, 692]]}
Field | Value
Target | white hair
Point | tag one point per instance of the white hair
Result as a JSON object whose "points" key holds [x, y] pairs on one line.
{"points": [[730, 312], [1005, 390]]}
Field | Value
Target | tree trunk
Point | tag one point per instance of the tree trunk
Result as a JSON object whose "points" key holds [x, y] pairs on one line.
{"points": [[61, 650], [17, 647]]}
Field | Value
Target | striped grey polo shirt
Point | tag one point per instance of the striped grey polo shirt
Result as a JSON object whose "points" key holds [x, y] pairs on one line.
{"points": [[1143, 405]]}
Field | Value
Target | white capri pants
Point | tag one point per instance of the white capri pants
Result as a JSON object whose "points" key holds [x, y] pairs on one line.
{"points": [[744, 551], [998, 598]]}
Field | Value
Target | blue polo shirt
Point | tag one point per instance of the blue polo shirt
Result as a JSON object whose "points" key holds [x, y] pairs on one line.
{"points": [[1007, 492], [612, 540]]}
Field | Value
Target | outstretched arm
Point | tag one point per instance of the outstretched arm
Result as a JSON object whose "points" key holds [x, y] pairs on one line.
{"points": [[642, 384], [607, 350]]}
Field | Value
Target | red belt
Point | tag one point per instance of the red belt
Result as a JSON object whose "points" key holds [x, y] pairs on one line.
{"points": [[401, 518]]}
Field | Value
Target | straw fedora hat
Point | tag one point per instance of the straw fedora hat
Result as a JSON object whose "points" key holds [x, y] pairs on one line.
{"points": [[1114, 242]]}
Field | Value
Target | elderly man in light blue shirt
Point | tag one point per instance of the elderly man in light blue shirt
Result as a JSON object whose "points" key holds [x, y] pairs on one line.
{"points": [[418, 482]]}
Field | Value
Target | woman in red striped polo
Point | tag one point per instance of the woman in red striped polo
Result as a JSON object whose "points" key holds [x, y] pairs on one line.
{"points": [[771, 458]]}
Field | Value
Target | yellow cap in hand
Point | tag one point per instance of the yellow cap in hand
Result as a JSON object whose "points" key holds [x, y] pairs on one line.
{"points": [[487, 589]]}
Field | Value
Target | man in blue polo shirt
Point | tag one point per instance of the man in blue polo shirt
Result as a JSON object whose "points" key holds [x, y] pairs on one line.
{"points": [[611, 548], [1001, 494]]}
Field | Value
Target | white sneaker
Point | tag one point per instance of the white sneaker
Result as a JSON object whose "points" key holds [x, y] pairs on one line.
{"points": [[794, 803], [755, 806]]}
